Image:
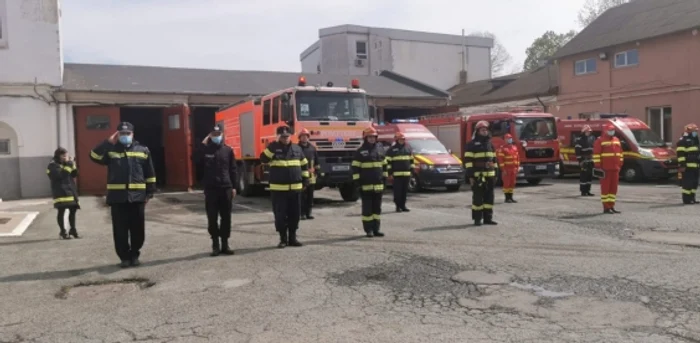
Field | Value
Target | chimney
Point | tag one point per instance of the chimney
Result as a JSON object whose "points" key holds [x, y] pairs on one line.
{"points": [[463, 77]]}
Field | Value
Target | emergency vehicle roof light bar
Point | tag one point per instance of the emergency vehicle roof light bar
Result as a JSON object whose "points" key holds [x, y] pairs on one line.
{"points": [[355, 83], [396, 121], [613, 115], [302, 81]]}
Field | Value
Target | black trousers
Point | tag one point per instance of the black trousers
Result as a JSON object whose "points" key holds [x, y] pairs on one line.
{"points": [[400, 186], [482, 199], [286, 206], [689, 184], [586, 177], [128, 229], [371, 211], [60, 217], [307, 200], [218, 202]]}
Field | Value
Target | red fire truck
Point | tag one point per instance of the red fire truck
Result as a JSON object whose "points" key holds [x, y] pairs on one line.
{"points": [[646, 155], [335, 117], [435, 165], [534, 131]]}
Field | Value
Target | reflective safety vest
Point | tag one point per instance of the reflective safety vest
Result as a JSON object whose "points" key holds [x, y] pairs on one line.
{"points": [[130, 173], [508, 157], [607, 153], [289, 168], [480, 158], [400, 161], [688, 152], [369, 167]]}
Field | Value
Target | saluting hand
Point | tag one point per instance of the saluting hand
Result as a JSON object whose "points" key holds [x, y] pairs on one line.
{"points": [[206, 139], [113, 138], [233, 193]]}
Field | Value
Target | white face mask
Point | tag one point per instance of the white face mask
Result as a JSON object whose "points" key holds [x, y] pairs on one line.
{"points": [[611, 133], [509, 140]]}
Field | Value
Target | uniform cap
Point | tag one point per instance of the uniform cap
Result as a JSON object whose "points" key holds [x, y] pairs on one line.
{"points": [[483, 124], [217, 129], [284, 131], [126, 127]]}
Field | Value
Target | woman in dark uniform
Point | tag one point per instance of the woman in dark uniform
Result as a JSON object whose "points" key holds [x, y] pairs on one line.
{"points": [[62, 173]]}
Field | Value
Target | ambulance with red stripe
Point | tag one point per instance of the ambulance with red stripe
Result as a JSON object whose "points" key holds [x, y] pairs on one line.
{"points": [[435, 165], [647, 156]]}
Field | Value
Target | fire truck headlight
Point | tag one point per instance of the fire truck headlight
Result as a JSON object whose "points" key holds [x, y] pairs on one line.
{"points": [[646, 153]]}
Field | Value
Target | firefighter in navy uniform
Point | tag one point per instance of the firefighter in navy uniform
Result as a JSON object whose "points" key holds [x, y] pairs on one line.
{"points": [[131, 183], [62, 173], [311, 154], [369, 169], [480, 162], [584, 156], [400, 159], [218, 165], [289, 174], [688, 160]]}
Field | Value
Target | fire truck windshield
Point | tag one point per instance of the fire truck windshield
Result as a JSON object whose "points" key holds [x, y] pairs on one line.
{"points": [[646, 138], [528, 128], [427, 146], [331, 106]]}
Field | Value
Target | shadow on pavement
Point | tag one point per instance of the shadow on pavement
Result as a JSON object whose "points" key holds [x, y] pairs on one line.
{"points": [[34, 241], [443, 228]]}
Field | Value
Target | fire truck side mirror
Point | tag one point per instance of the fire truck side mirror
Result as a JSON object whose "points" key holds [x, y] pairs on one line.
{"points": [[285, 97]]}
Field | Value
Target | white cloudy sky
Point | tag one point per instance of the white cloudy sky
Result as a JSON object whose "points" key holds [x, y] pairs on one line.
{"points": [[270, 34]]}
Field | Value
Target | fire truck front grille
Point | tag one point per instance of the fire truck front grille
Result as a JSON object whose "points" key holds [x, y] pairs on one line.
{"points": [[539, 153], [323, 144], [336, 156]]}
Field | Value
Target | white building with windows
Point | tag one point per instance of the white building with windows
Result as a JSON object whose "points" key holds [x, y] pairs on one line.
{"points": [[439, 60], [31, 66]]}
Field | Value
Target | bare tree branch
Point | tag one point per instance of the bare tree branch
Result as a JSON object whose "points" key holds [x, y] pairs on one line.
{"points": [[593, 8], [500, 58]]}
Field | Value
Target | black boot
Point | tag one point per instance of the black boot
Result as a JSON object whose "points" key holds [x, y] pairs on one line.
{"points": [[310, 217], [74, 233], [404, 209], [63, 234], [477, 222], [489, 221], [513, 201], [398, 209], [293, 242], [303, 217], [369, 234], [613, 210], [135, 262], [607, 211], [225, 249], [507, 198], [215, 248], [125, 264], [283, 240]]}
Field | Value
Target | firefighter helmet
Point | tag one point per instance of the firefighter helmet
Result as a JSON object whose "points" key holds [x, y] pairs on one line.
{"points": [[586, 128], [399, 135], [370, 131], [304, 132], [609, 127], [691, 128], [482, 124], [507, 136]]}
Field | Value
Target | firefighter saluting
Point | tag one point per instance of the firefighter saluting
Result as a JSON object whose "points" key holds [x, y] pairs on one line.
{"points": [[480, 162], [289, 174], [688, 159], [369, 168], [608, 158], [584, 156], [400, 159], [509, 161], [311, 154]]}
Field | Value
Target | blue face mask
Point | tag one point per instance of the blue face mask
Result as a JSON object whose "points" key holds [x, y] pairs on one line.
{"points": [[509, 140], [216, 139], [695, 134], [126, 140]]}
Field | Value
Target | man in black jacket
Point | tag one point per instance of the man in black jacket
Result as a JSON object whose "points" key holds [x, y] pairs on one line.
{"points": [[480, 162], [289, 174], [131, 182], [584, 156], [369, 169], [688, 151], [218, 164], [311, 154], [400, 158]]}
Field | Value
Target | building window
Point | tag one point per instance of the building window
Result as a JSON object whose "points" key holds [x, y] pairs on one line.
{"points": [[361, 49], [659, 120], [3, 24], [627, 58], [174, 122], [266, 112], [585, 66], [276, 110], [97, 122], [5, 147]]}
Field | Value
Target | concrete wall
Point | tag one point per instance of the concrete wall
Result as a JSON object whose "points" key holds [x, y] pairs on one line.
{"points": [[32, 50], [309, 65], [667, 75]]}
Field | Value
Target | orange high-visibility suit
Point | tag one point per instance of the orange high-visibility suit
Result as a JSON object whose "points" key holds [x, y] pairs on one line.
{"points": [[509, 163], [607, 155]]}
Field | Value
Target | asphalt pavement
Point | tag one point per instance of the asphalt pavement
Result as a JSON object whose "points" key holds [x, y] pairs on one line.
{"points": [[555, 269]]}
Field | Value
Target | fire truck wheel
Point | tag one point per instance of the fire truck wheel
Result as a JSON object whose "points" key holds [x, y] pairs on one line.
{"points": [[534, 182], [413, 185], [453, 188], [349, 192], [244, 187], [631, 174]]}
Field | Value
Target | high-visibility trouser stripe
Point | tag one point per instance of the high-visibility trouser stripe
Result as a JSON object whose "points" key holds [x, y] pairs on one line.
{"points": [[608, 198], [64, 199], [355, 176], [485, 174], [479, 154], [469, 165], [287, 187], [482, 207], [689, 191], [371, 217], [508, 190], [117, 186], [366, 165], [268, 153], [691, 165], [402, 173], [385, 174], [96, 156], [150, 180], [379, 187], [135, 154], [681, 159]]}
